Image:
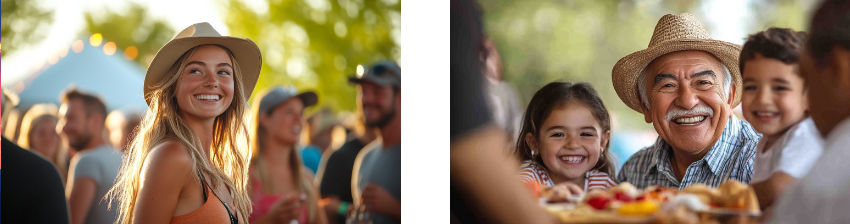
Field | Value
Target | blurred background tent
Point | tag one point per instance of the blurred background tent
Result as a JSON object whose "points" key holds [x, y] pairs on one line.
{"points": [[91, 66]]}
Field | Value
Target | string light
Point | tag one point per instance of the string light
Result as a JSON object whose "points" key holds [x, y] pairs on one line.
{"points": [[63, 51], [96, 39], [131, 52], [77, 46], [109, 48]]}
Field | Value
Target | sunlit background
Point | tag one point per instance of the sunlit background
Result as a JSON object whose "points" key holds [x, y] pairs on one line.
{"points": [[313, 44], [105, 46], [543, 41]]}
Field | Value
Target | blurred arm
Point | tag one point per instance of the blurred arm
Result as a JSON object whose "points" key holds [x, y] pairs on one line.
{"points": [[80, 196], [491, 186], [767, 191]]}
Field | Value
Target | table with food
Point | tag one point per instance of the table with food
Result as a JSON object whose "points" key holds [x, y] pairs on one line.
{"points": [[731, 202]]}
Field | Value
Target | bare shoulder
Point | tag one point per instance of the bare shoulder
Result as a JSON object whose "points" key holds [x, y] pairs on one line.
{"points": [[169, 152], [168, 158], [164, 176]]}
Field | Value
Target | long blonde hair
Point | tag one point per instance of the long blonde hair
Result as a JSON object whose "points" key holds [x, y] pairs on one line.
{"points": [[229, 153], [36, 114], [258, 138]]}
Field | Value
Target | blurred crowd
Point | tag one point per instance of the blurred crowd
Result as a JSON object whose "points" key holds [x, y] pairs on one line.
{"points": [[318, 157]]}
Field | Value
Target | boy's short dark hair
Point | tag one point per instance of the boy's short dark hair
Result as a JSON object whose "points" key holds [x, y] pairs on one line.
{"points": [[778, 43], [92, 103]]}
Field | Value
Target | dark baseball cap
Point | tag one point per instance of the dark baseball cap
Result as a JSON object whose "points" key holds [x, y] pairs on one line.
{"points": [[279, 94], [383, 73]]}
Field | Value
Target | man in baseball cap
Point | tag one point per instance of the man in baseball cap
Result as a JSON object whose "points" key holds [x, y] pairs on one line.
{"points": [[384, 73], [378, 171]]}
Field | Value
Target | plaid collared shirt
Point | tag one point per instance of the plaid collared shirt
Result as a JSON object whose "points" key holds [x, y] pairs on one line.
{"points": [[730, 158]]}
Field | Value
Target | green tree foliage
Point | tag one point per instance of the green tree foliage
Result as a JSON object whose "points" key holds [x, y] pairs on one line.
{"points": [[21, 20], [781, 13], [317, 44], [131, 27], [580, 41]]}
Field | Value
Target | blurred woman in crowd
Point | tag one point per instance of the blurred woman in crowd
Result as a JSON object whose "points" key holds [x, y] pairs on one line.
{"points": [[281, 187], [121, 125], [38, 133]]}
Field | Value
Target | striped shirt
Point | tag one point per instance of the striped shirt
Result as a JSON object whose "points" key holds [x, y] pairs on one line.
{"points": [[531, 172], [731, 157]]}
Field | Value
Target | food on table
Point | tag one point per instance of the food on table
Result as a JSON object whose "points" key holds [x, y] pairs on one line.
{"points": [[624, 203], [642, 208], [559, 193]]}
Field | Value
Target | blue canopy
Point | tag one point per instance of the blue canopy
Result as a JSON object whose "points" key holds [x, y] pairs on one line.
{"points": [[113, 78]]}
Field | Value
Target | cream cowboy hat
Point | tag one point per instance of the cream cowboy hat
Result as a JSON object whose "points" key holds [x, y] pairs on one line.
{"points": [[672, 33], [245, 51]]}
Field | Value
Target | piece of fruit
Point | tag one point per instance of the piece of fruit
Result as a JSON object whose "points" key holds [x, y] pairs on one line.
{"points": [[598, 202], [534, 188], [642, 208], [622, 196], [641, 198]]}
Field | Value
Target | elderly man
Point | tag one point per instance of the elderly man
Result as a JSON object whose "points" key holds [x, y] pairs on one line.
{"points": [[686, 85]]}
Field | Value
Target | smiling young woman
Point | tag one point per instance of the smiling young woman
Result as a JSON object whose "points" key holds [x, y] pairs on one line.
{"points": [[189, 161]]}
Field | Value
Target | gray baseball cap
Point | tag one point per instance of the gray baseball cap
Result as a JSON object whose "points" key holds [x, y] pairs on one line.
{"points": [[279, 94], [384, 73]]}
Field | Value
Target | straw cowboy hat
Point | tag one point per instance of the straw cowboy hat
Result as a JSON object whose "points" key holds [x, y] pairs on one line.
{"points": [[245, 51], [672, 33]]}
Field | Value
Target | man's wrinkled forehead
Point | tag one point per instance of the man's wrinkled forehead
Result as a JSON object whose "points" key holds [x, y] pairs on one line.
{"points": [[688, 62]]}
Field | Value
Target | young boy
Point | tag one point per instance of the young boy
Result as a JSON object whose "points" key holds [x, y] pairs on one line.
{"points": [[775, 103]]}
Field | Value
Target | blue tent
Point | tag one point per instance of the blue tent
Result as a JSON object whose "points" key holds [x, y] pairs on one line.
{"points": [[113, 78]]}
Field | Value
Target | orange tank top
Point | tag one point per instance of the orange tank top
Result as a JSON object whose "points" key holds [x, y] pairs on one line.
{"points": [[211, 212]]}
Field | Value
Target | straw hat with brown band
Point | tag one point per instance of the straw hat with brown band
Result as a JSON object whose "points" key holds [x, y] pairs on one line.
{"points": [[245, 51], [673, 33]]}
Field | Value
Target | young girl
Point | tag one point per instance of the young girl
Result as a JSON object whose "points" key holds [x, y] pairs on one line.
{"points": [[564, 138]]}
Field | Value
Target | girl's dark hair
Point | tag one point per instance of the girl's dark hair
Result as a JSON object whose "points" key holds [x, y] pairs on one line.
{"points": [[778, 43], [556, 95]]}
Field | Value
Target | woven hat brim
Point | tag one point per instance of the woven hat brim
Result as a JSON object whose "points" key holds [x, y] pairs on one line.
{"points": [[627, 70], [245, 51]]}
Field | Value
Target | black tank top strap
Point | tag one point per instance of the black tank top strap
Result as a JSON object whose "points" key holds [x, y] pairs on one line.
{"points": [[234, 219], [203, 185]]}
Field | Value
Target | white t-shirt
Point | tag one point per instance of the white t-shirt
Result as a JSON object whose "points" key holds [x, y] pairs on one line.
{"points": [[793, 153], [823, 195]]}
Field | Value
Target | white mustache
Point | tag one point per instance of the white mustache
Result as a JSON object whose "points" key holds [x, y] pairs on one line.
{"points": [[700, 109]]}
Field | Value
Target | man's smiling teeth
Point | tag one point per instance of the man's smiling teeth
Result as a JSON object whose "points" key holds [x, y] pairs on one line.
{"points": [[572, 159], [207, 97], [690, 120]]}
